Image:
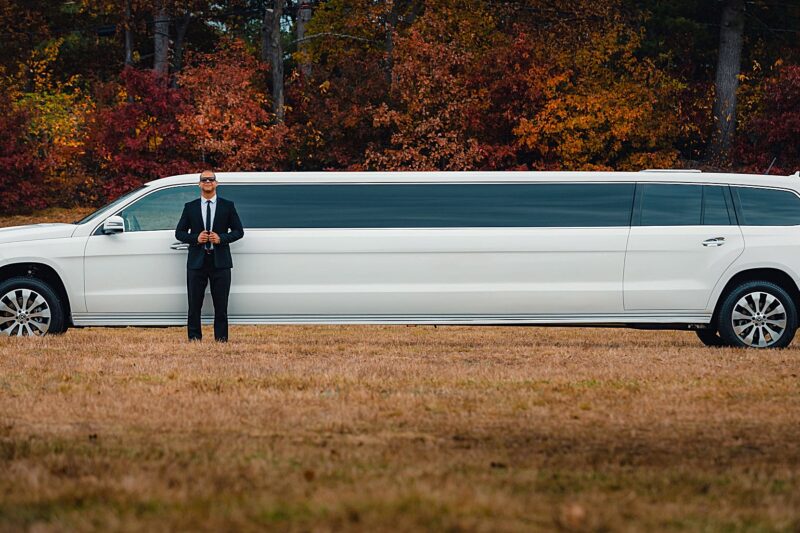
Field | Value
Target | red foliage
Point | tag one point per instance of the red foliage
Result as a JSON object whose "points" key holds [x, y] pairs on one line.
{"points": [[138, 137], [431, 116], [513, 76], [426, 119], [773, 131], [331, 116], [228, 119], [21, 171]]}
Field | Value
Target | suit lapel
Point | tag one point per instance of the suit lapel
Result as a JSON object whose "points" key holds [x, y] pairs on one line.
{"points": [[219, 215], [197, 216]]}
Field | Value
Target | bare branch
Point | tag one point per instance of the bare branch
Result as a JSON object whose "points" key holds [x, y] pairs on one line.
{"points": [[331, 34]]}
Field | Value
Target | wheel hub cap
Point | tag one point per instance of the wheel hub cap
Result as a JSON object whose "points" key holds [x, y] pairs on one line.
{"points": [[24, 313], [759, 319]]}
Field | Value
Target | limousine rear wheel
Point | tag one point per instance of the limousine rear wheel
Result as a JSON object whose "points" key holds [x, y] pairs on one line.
{"points": [[758, 314], [29, 307]]}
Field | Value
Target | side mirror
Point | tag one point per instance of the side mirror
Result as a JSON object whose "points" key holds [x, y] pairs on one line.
{"points": [[114, 224]]}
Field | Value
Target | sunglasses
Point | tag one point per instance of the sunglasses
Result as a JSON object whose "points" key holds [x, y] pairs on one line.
{"points": [[208, 180]]}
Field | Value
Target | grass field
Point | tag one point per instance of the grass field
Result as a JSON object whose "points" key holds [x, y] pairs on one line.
{"points": [[320, 428]]}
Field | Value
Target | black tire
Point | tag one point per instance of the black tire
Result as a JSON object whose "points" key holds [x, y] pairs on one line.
{"points": [[57, 320], [710, 337], [768, 304]]}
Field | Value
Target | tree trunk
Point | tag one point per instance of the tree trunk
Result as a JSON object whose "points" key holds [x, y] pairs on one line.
{"points": [[276, 60], [180, 39], [727, 82], [304, 11], [266, 31], [391, 28], [128, 35], [161, 39]]}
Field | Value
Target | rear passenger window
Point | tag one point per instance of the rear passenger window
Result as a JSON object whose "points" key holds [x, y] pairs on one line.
{"points": [[767, 207], [715, 206], [432, 205], [670, 205]]}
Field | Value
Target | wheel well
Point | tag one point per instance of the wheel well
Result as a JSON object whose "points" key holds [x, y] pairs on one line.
{"points": [[778, 277], [44, 273]]}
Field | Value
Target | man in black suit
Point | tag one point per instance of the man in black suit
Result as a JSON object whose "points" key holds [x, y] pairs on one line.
{"points": [[208, 225]]}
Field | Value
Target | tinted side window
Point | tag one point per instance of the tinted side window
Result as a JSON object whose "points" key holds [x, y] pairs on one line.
{"points": [[431, 206], [670, 205], [160, 210], [715, 206], [767, 207]]}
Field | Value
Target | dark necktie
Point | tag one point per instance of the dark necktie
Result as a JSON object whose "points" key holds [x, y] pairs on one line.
{"points": [[208, 222]]}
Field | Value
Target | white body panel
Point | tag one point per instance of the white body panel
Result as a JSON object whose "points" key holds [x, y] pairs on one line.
{"points": [[63, 254], [428, 272], [425, 275], [138, 268], [669, 268]]}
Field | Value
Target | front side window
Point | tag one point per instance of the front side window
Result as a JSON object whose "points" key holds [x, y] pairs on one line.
{"points": [[160, 210], [767, 207], [432, 205]]}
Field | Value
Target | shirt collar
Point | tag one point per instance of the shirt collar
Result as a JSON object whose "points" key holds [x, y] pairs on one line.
{"points": [[213, 199]]}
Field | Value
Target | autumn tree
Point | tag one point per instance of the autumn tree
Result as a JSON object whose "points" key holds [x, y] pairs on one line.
{"points": [[226, 118], [605, 107], [431, 97], [770, 133], [58, 113], [22, 175], [332, 116], [135, 135]]}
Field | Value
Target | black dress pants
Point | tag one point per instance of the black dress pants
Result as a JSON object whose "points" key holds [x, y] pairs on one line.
{"points": [[196, 281]]}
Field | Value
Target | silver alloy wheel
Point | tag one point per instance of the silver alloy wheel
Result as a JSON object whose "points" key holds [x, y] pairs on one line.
{"points": [[24, 313], [759, 319]]}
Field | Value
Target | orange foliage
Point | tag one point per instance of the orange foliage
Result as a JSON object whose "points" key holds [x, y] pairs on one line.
{"points": [[604, 107], [432, 98], [227, 120], [58, 113]]}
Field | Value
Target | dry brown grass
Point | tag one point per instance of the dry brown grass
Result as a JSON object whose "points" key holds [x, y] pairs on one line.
{"points": [[393, 428]]}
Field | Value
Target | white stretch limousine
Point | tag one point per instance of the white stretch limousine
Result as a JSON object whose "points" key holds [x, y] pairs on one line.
{"points": [[717, 253]]}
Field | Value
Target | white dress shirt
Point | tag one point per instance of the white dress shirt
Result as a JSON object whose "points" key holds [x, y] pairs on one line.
{"points": [[213, 201]]}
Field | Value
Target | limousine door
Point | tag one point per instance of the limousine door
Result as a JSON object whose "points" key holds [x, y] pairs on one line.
{"points": [[682, 240], [139, 276]]}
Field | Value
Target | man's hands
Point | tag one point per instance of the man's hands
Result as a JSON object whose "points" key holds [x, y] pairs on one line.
{"points": [[206, 236]]}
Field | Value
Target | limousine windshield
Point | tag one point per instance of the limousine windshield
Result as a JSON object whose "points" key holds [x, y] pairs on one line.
{"points": [[118, 201]]}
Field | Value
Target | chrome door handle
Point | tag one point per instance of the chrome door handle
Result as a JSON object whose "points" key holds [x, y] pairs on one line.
{"points": [[716, 241], [179, 246]]}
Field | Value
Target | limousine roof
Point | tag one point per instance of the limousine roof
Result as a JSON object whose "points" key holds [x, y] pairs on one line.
{"points": [[674, 176]]}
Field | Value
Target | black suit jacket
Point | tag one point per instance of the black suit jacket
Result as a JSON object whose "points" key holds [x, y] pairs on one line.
{"points": [[226, 224]]}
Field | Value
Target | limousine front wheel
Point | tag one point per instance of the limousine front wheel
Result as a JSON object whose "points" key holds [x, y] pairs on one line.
{"points": [[758, 314], [29, 307]]}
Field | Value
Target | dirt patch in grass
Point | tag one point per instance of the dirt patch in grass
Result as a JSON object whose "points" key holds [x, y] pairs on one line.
{"points": [[365, 428]]}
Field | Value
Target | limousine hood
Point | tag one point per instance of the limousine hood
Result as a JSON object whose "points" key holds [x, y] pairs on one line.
{"points": [[36, 232]]}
